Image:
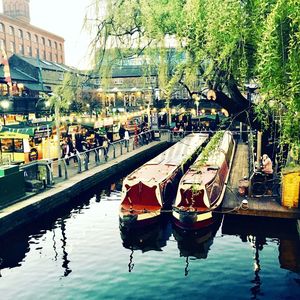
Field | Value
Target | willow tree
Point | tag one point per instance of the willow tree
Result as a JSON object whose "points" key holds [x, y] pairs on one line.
{"points": [[229, 43]]}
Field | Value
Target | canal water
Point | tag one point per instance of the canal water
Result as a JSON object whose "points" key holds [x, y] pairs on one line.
{"points": [[81, 253]]}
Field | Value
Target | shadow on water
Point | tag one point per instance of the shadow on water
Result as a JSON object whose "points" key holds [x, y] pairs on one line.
{"points": [[258, 231], [15, 246]]}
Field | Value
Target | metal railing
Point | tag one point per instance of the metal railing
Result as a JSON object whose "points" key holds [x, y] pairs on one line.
{"points": [[49, 171]]}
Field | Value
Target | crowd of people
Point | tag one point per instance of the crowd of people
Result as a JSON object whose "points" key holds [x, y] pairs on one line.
{"points": [[83, 141]]}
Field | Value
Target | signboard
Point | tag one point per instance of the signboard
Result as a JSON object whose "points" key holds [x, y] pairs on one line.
{"points": [[98, 124], [42, 132], [154, 120], [40, 120], [108, 121]]}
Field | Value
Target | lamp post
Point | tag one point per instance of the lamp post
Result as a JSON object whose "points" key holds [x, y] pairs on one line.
{"points": [[197, 107], [57, 123], [56, 101], [5, 105]]}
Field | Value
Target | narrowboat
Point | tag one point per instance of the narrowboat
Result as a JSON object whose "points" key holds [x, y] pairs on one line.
{"points": [[153, 186], [201, 189]]}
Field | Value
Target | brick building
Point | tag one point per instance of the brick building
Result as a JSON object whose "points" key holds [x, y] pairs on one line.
{"points": [[18, 36]]}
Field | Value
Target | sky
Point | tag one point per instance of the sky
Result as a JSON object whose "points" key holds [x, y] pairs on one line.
{"points": [[64, 18]]}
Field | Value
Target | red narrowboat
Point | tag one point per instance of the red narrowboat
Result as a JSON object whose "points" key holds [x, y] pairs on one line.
{"points": [[201, 189]]}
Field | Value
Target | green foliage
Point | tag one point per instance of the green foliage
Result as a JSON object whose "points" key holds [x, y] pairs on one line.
{"points": [[209, 149], [224, 40]]}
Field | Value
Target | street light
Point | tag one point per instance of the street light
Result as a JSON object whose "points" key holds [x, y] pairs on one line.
{"points": [[197, 107]]}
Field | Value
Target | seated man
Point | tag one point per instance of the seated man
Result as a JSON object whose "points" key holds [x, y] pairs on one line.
{"points": [[267, 168]]}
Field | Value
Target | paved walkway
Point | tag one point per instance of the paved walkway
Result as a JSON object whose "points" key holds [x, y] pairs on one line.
{"points": [[266, 206]]}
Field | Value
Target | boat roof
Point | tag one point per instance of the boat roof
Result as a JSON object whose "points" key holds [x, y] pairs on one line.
{"points": [[163, 165], [151, 174], [181, 151], [204, 174]]}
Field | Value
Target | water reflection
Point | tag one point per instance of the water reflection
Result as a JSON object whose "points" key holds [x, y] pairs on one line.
{"points": [[65, 260], [257, 244], [257, 232], [289, 254], [15, 246], [152, 237], [195, 244]]}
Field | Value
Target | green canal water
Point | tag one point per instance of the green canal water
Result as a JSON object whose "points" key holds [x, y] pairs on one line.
{"points": [[80, 253]]}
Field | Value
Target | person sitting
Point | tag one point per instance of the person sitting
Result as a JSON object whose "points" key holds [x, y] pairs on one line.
{"points": [[267, 169], [267, 166]]}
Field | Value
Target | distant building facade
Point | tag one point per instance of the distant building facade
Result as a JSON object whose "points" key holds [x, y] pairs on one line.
{"points": [[18, 36]]}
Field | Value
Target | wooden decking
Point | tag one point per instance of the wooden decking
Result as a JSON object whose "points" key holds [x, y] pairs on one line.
{"points": [[264, 206]]}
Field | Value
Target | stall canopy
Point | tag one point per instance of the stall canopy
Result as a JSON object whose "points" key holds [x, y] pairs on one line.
{"points": [[13, 135], [28, 130]]}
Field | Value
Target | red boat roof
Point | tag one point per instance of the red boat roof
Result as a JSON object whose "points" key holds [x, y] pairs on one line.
{"points": [[163, 165], [151, 174]]}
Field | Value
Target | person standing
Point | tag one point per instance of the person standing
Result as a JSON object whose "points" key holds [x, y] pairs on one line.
{"points": [[105, 145], [126, 138], [122, 132]]}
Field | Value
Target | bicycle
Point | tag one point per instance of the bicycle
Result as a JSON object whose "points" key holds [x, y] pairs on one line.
{"points": [[264, 185]]}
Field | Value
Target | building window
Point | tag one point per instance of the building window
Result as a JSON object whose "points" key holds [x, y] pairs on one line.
{"points": [[11, 30], [37, 52], [43, 41], [12, 47], [20, 33], [56, 58], [2, 44], [118, 81], [36, 38], [44, 54], [55, 45], [21, 49], [60, 46], [49, 43], [2, 28], [29, 51], [50, 56], [28, 36]]}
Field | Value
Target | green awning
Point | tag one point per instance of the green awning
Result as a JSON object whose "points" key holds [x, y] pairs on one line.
{"points": [[22, 130]]}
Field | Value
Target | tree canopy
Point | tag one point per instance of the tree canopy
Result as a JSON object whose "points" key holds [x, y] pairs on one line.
{"points": [[230, 43]]}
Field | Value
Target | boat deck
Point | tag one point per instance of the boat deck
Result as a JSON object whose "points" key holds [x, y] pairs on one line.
{"points": [[267, 206]]}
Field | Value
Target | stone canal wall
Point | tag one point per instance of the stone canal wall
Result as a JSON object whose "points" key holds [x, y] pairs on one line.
{"points": [[40, 205]]}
